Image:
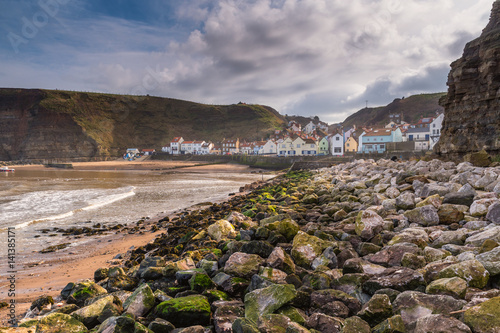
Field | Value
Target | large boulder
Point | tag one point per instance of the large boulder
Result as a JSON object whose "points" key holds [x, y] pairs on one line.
{"points": [[121, 324], [83, 291], [376, 310], [397, 278], [221, 229], [185, 311], [140, 302], [287, 227], [471, 271], [412, 305], [88, 314], [267, 300], [439, 323], [60, 322], [243, 265], [493, 214], [306, 248], [484, 317], [368, 224], [479, 238], [425, 215], [490, 260], [454, 286], [281, 260]]}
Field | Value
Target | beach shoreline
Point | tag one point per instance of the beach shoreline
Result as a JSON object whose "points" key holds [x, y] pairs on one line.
{"points": [[48, 273]]}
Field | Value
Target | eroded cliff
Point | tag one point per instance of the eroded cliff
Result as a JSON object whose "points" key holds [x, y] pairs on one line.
{"points": [[472, 105]]}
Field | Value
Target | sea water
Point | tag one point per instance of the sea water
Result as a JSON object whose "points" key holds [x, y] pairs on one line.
{"points": [[33, 201]]}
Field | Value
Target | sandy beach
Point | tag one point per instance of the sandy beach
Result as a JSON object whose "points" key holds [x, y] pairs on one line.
{"points": [[47, 274]]}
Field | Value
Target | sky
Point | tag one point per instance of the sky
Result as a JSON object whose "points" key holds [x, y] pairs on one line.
{"points": [[325, 58]]}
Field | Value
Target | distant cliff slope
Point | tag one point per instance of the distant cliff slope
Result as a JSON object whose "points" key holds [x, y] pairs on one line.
{"points": [[472, 105], [412, 107], [48, 124]]}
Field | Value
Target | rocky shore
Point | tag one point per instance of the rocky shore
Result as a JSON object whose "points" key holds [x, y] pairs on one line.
{"points": [[359, 247]]}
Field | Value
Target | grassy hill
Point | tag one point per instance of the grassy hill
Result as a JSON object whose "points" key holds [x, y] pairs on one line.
{"points": [[413, 108], [115, 122]]}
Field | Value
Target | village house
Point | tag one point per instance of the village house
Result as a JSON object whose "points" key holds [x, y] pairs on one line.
{"points": [[420, 136], [246, 148], [297, 146], [310, 147], [324, 146], [360, 142], [376, 140], [337, 144], [351, 145], [258, 146], [294, 126], [206, 148], [285, 147], [269, 148], [309, 128], [197, 147], [175, 145], [435, 130], [230, 146], [187, 147]]}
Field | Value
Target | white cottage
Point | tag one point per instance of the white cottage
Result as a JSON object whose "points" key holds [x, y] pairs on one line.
{"points": [[337, 145]]}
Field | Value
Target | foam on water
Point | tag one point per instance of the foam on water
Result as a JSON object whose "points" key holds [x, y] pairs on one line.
{"points": [[33, 207]]}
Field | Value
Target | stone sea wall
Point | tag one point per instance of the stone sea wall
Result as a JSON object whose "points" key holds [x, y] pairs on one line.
{"points": [[363, 246]]}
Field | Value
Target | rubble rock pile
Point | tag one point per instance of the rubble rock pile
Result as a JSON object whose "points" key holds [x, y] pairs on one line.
{"points": [[359, 247]]}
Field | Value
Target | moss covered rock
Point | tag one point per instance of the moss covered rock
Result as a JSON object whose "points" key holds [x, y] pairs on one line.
{"points": [[200, 282], [267, 300], [88, 314], [394, 324], [471, 271], [376, 310], [60, 322], [368, 224], [485, 317], [83, 291], [243, 265], [355, 324], [140, 302], [306, 248], [222, 229], [183, 311], [454, 286], [287, 227]]}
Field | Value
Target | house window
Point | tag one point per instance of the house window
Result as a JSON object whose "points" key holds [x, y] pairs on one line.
{"points": [[337, 138], [382, 146], [347, 145], [337, 150], [298, 145]]}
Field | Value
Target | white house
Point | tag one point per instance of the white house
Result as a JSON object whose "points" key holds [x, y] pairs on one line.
{"points": [[285, 147], [187, 147], [269, 148], [435, 130], [337, 145], [175, 145], [294, 126], [206, 148], [419, 135], [197, 147], [309, 128]]}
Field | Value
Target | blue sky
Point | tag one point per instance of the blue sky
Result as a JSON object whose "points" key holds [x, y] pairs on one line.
{"points": [[302, 57]]}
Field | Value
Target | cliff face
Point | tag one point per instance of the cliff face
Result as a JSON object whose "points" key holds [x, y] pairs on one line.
{"points": [[29, 131], [472, 105], [48, 124]]}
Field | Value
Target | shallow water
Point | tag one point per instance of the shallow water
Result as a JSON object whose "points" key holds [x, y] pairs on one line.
{"points": [[34, 200]]}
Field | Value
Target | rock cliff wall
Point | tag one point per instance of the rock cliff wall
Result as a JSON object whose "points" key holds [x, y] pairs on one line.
{"points": [[29, 131], [472, 105]]}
